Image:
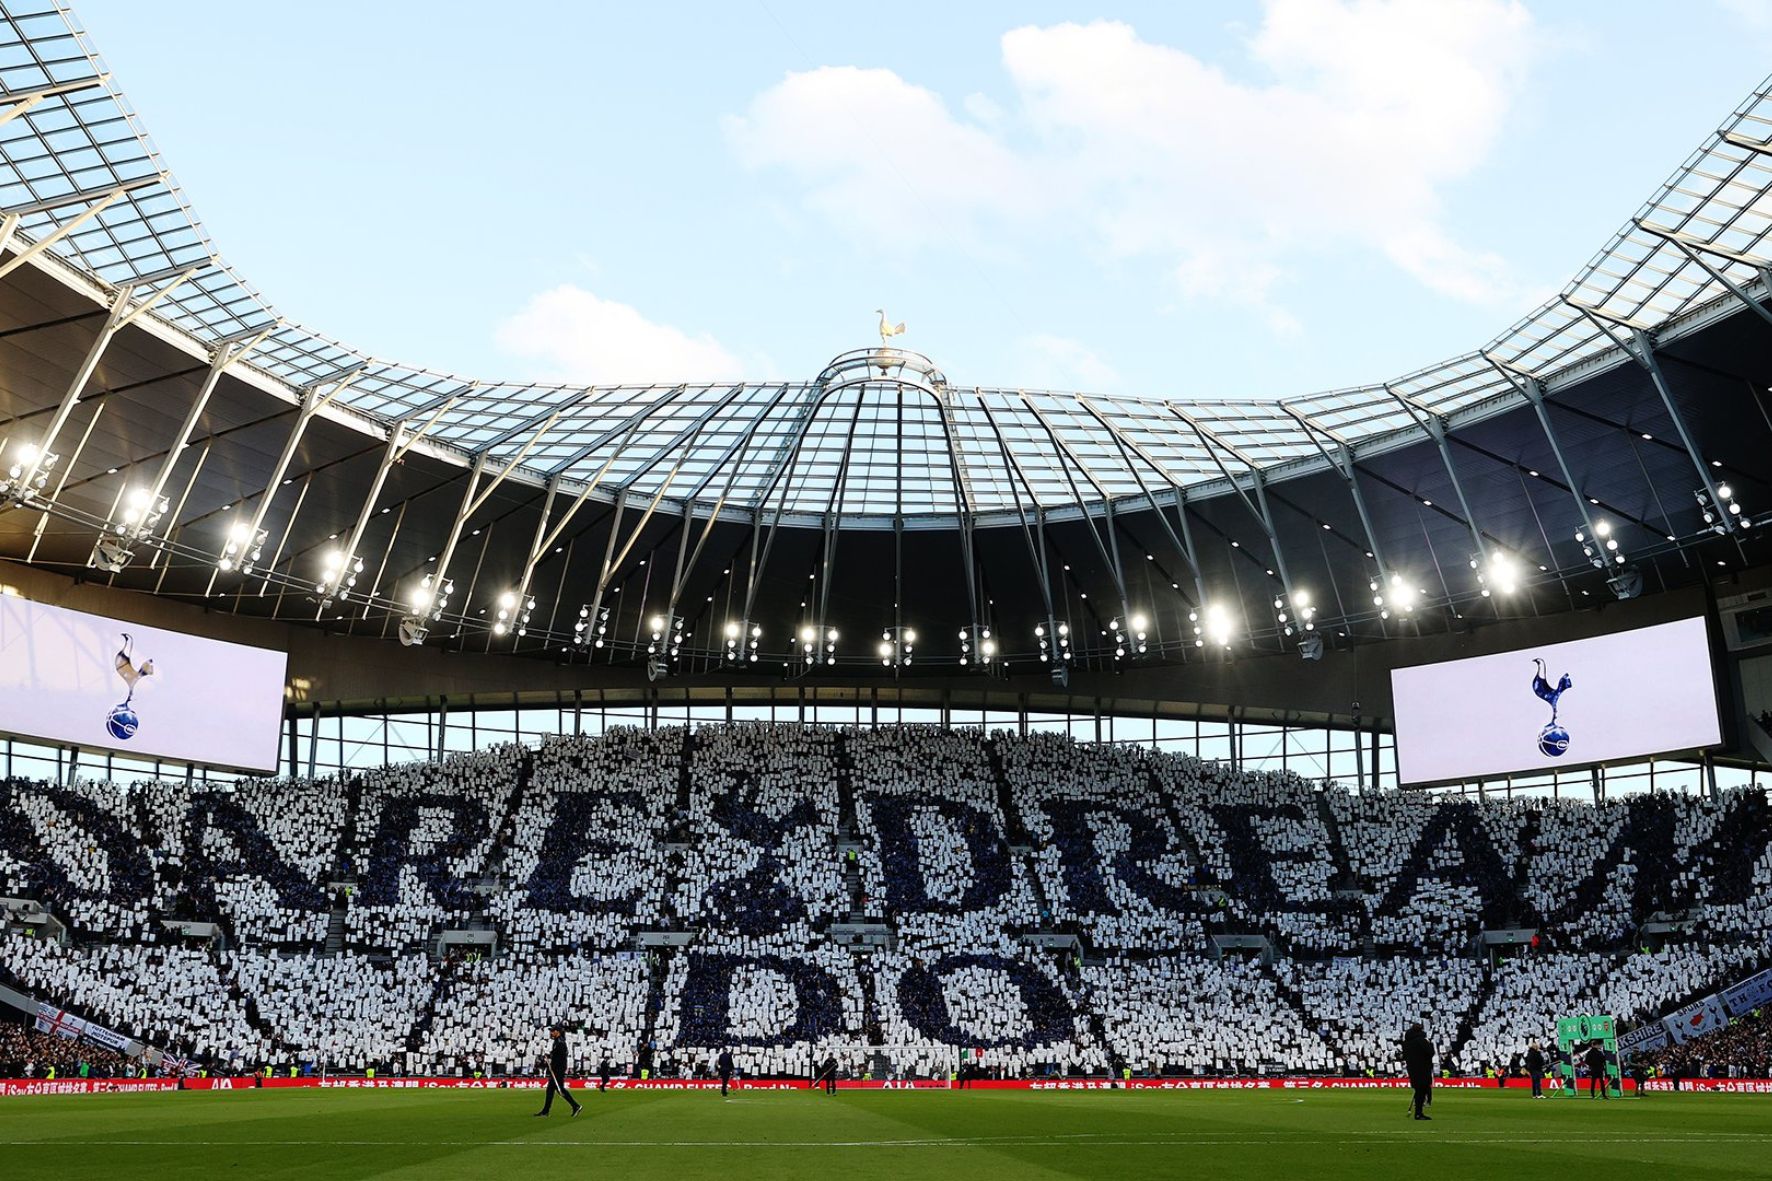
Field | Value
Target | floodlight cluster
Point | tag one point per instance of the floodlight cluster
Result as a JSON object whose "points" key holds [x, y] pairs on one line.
{"points": [[1130, 638], [742, 640], [817, 646], [514, 610], [28, 473], [898, 646], [1213, 624], [1394, 594], [242, 548], [1296, 617], [1600, 546], [1719, 506], [978, 648]]}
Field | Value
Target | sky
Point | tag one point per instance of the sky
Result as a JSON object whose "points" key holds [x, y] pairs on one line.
{"points": [[1235, 199]]}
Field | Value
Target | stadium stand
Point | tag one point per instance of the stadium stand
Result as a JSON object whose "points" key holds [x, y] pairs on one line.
{"points": [[1050, 908], [1740, 1050]]}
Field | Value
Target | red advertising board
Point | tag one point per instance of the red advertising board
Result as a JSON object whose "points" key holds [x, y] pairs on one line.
{"points": [[105, 1086]]}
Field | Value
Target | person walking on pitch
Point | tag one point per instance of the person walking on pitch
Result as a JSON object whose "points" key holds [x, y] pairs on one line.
{"points": [[557, 1074], [724, 1066], [1418, 1057]]}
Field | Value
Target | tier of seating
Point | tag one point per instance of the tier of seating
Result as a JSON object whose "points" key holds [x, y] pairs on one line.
{"points": [[1045, 906]]}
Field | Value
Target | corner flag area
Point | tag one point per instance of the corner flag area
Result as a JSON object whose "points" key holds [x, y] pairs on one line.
{"points": [[856, 1135]]}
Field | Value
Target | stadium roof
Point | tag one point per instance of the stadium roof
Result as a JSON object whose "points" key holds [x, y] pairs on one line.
{"points": [[86, 185]]}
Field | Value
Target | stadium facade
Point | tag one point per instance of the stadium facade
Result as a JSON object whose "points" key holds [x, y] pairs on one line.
{"points": [[473, 559]]}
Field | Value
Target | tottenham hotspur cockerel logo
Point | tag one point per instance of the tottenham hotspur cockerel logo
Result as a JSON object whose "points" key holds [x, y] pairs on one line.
{"points": [[1553, 740], [121, 721]]}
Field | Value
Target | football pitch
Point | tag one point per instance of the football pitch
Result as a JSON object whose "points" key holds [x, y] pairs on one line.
{"points": [[926, 1135]]}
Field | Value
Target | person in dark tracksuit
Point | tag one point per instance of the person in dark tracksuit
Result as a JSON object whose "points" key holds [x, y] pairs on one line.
{"points": [[603, 1075], [1418, 1058], [1598, 1087], [557, 1075], [829, 1073], [1535, 1069], [724, 1066]]}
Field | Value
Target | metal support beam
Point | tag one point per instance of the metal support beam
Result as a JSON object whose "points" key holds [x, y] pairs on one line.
{"points": [[964, 505], [313, 399], [1644, 351], [1342, 460], [1693, 248], [223, 356], [1435, 428], [1036, 536], [101, 200], [536, 547], [1259, 506], [1532, 390], [834, 517], [461, 518], [25, 101], [113, 321], [1640, 347], [1111, 559], [348, 551], [1128, 448]]}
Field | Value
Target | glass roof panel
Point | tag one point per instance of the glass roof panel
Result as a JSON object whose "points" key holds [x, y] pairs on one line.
{"points": [[77, 167]]}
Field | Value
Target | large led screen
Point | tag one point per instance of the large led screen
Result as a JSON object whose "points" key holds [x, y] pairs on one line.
{"points": [[94, 682], [1612, 697]]}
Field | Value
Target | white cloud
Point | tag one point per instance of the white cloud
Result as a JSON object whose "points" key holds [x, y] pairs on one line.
{"points": [[569, 334], [1361, 114], [1052, 362], [882, 157]]}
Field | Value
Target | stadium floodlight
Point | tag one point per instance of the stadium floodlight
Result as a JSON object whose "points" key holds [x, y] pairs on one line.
{"points": [[1500, 573], [514, 611], [426, 603], [1129, 637], [338, 576], [1718, 503], [1055, 642], [138, 515], [1213, 623], [598, 629], [978, 646], [898, 646], [241, 548], [817, 646], [1396, 594], [1600, 546], [28, 474], [1297, 617], [666, 645], [742, 639]]}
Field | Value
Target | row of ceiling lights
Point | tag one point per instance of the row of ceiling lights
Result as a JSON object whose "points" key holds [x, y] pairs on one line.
{"points": [[139, 511]]}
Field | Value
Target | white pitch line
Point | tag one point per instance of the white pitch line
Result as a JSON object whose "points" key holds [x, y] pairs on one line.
{"points": [[1078, 1141]]}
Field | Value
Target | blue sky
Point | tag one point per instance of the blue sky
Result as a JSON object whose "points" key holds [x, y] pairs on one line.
{"points": [[1211, 200]]}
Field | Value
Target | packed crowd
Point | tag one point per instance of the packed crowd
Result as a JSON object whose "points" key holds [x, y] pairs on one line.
{"points": [[753, 843], [1741, 1049], [27, 1053]]}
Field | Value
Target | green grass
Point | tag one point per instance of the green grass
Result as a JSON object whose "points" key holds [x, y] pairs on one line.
{"points": [[925, 1136]]}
